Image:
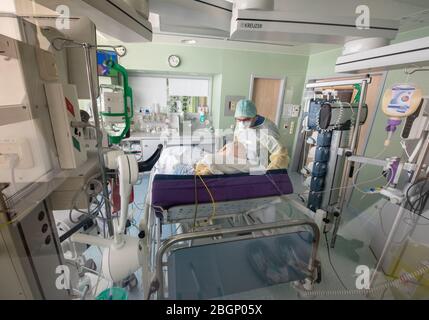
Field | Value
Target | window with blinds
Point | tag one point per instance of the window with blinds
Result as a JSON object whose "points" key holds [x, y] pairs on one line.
{"points": [[170, 94]]}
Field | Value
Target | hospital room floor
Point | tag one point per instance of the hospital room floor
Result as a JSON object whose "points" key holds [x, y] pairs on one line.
{"points": [[345, 257]]}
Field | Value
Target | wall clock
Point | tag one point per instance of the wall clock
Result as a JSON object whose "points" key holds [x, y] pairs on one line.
{"points": [[174, 61]]}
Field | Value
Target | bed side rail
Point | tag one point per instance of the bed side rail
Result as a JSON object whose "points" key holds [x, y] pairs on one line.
{"points": [[157, 284]]}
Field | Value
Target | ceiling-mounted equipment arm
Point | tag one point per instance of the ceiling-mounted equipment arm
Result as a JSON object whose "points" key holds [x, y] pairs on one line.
{"points": [[396, 56]]}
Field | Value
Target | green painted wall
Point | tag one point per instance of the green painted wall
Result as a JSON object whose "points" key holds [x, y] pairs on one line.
{"points": [[231, 71], [322, 65]]}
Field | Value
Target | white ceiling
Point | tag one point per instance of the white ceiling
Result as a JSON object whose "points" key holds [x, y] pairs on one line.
{"points": [[185, 15], [296, 49], [171, 25]]}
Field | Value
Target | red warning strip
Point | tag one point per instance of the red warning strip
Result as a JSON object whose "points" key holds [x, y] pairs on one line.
{"points": [[70, 107]]}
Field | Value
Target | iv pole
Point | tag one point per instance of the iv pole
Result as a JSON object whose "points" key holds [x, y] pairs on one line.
{"points": [[364, 82], [402, 210], [348, 166], [87, 50], [87, 47]]}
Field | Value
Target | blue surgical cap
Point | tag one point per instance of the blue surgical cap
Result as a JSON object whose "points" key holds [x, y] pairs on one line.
{"points": [[245, 109]]}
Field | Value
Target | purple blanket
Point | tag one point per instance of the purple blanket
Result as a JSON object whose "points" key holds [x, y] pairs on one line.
{"points": [[171, 190]]}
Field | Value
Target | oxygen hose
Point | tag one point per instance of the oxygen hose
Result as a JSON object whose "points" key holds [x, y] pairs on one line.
{"points": [[390, 284]]}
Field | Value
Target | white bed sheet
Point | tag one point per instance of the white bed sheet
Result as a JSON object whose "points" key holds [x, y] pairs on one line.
{"points": [[181, 160]]}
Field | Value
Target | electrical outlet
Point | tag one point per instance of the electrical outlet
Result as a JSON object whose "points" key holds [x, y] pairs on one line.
{"points": [[291, 111], [295, 111], [19, 147]]}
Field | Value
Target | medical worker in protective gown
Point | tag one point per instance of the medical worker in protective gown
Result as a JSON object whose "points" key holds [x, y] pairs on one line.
{"points": [[260, 136]]}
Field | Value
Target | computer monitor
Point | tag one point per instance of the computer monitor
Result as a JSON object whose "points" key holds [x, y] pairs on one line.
{"points": [[102, 57]]}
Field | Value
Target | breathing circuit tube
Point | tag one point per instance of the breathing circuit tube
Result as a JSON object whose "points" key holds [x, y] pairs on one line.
{"points": [[390, 284]]}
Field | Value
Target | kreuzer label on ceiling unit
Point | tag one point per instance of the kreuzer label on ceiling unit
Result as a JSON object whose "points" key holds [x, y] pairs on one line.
{"points": [[250, 25]]}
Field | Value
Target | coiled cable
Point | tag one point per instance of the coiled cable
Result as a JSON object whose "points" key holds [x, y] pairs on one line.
{"points": [[406, 277]]}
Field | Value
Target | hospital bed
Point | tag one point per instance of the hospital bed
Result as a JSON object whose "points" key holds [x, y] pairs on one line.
{"points": [[204, 235]]}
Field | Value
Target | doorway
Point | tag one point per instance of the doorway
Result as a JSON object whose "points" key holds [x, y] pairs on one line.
{"points": [[268, 95]]}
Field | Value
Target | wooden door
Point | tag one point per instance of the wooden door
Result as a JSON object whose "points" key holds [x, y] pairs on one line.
{"points": [[266, 95]]}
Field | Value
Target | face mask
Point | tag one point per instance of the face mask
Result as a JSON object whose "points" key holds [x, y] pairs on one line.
{"points": [[244, 125]]}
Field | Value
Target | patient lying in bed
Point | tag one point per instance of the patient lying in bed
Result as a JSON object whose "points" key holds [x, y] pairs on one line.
{"points": [[231, 159], [192, 160]]}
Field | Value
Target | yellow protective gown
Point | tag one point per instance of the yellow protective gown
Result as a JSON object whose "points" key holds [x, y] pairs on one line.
{"points": [[263, 141]]}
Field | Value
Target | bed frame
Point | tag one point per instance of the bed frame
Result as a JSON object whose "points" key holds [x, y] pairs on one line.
{"points": [[211, 229]]}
